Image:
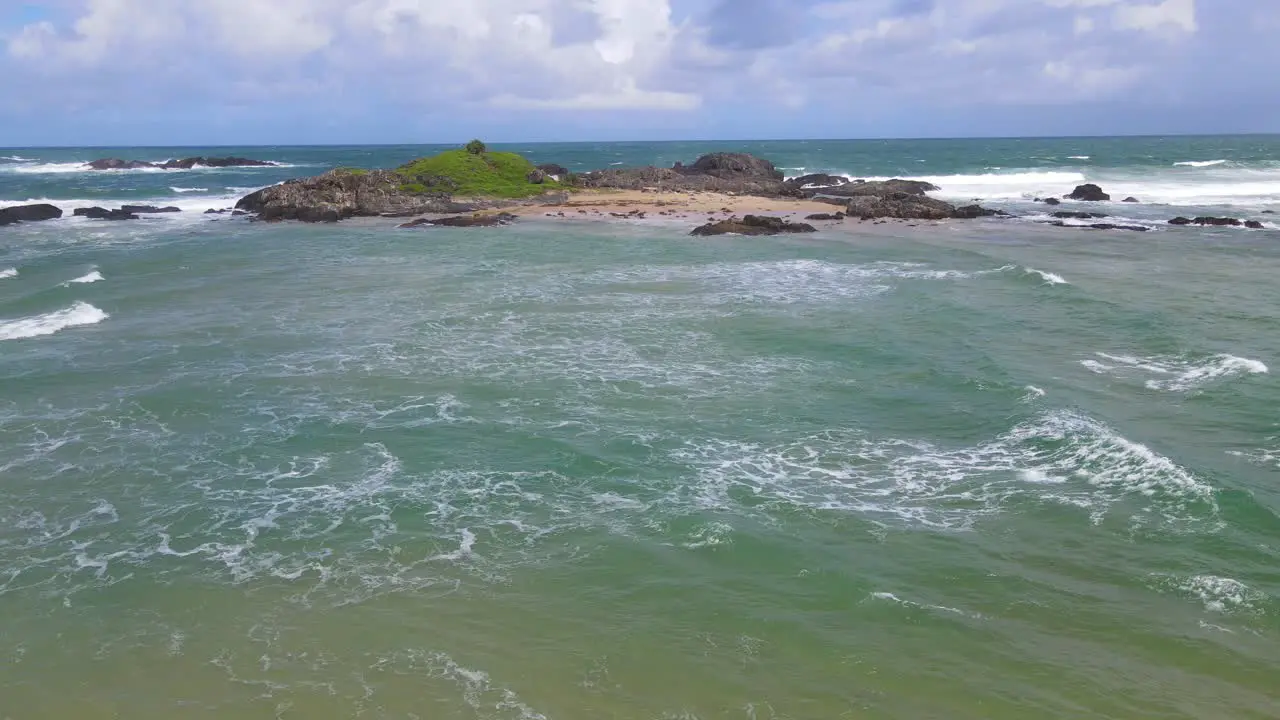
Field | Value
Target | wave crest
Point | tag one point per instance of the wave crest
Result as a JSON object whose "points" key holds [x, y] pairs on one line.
{"points": [[79, 314]]}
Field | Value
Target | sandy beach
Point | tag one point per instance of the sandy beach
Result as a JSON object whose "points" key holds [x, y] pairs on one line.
{"points": [[695, 206]]}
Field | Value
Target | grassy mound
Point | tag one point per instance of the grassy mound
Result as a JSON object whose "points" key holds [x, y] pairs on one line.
{"points": [[488, 174]]}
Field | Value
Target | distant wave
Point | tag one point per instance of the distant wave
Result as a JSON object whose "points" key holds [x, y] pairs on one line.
{"points": [[1200, 163], [79, 314], [188, 190], [92, 277], [1077, 157], [15, 158], [8, 273]]}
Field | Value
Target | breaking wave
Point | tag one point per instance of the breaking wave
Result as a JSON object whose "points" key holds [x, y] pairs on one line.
{"points": [[1175, 374], [77, 315], [8, 273], [91, 277], [1200, 163]]}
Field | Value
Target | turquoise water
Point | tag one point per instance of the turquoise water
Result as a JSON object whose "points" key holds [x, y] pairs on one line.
{"points": [[604, 470]]}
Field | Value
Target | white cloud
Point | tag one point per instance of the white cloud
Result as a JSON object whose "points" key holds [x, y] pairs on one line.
{"points": [[1177, 15]]}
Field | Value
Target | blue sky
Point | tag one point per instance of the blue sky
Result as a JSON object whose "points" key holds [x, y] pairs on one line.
{"points": [[162, 72]]}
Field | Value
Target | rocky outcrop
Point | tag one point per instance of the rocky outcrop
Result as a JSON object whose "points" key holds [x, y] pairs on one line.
{"points": [[554, 169], [537, 177], [825, 216], [901, 205], [973, 212], [98, 213], [1073, 215], [1130, 200], [1218, 222], [118, 164], [752, 225], [148, 209], [1254, 225], [878, 188], [29, 213], [1052, 201], [183, 164], [1089, 193], [337, 195], [732, 166], [478, 220]]}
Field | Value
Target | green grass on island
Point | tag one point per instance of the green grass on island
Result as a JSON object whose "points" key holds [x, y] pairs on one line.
{"points": [[474, 172]]}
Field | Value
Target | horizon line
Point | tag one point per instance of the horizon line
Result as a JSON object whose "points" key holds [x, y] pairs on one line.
{"points": [[681, 140]]}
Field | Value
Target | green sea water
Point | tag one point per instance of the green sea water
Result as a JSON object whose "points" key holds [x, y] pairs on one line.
{"points": [[605, 470]]}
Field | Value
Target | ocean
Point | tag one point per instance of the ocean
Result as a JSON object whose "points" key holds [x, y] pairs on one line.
{"points": [[589, 469]]}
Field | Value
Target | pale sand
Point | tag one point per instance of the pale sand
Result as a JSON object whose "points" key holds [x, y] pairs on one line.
{"points": [[700, 206]]}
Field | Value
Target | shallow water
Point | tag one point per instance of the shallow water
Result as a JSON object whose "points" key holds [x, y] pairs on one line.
{"points": [[594, 470]]}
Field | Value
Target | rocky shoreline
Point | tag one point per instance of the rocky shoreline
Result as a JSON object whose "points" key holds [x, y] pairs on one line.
{"points": [[183, 164]]}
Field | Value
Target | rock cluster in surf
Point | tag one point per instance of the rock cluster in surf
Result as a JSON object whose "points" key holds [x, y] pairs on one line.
{"points": [[183, 164]]}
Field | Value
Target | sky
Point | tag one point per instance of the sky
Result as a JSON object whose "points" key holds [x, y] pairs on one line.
{"points": [[236, 72]]}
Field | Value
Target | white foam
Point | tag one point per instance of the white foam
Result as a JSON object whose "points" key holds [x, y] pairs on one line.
{"points": [[1200, 163], [16, 158], [1175, 374], [1048, 277], [8, 273], [1077, 157], [188, 190], [1221, 595], [80, 167], [1059, 457], [77, 315], [91, 277], [891, 597]]}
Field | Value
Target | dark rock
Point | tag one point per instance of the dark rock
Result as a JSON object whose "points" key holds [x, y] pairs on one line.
{"points": [[1253, 225], [1101, 226], [825, 216], [148, 209], [732, 166], [98, 213], [537, 177], [753, 225], [1268, 212], [490, 220], [1052, 201], [554, 169], [118, 164], [188, 163], [900, 205], [879, 188], [973, 212], [29, 213], [1130, 200], [235, 213], [1180, 221], [1089, 193], [1073, 215], [212, 211], [1217, 221], [337, 195]]}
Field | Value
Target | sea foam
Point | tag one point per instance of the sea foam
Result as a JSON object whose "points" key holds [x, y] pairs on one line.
{"points": [[1200, 163], [81, 313], [8, 273], [1175, 374], [91, 277]]}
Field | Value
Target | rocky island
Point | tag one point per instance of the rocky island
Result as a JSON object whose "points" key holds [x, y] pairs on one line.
{"points": [[474, 181]]}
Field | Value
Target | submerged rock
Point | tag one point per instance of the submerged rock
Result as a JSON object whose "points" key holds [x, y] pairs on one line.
{"points": [[1254, 225], [118, 164], [1052, 201], [29, 213], [487, 220], [1217, 221], [1073, 215], [753, 225], [1180, 221], [183, 164], [149, 209], [99, 213], [1089, 193], [1102, 226], [972, 212]]}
